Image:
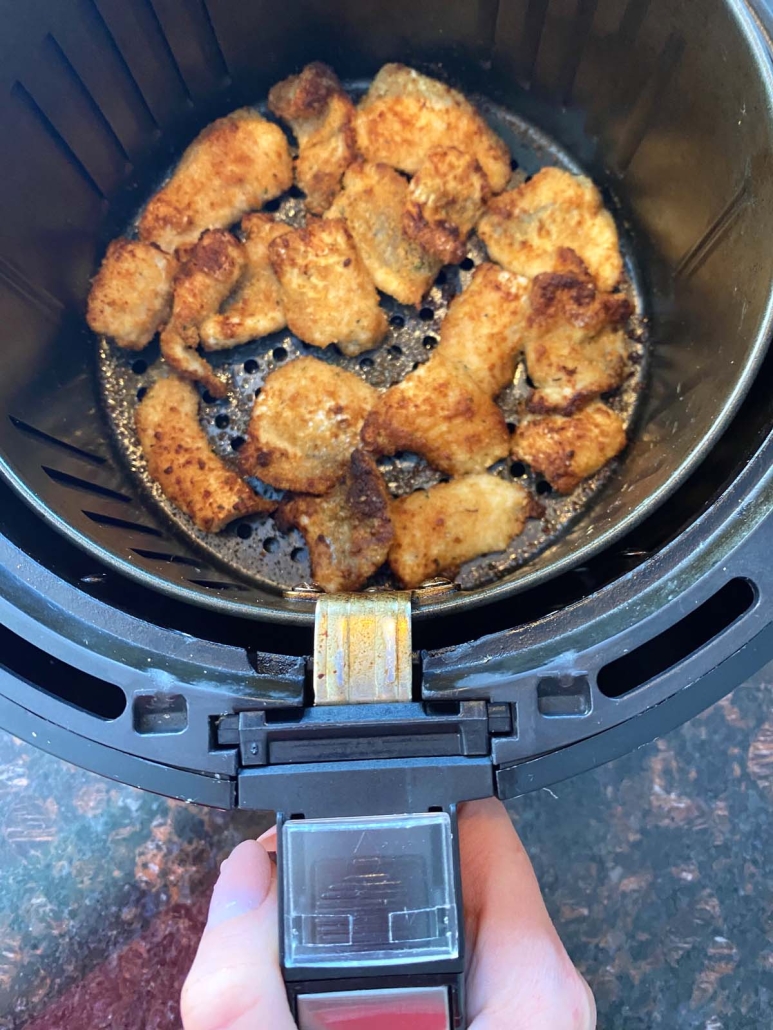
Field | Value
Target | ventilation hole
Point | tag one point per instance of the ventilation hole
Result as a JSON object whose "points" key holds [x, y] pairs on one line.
{"points": [[243, 531], [441, 278], [299, 554], [141, 392], [430, 342], [24, 427], [250, 366], [530, 383], [257, 392], [160, 713], [237, 442], [544, 488], [517, 469], [442, 708], [284, 714], [564, 695], [272, 205], [395, 351], [208, 398], [140, 366], [397, 321], [366, 363], [222, 421], [279, 354], [83, 484], [55, 677], [295, 191], [216, 584], [513, 165], [271, 544], [679, 641], [511, 427], [172, 559], [467, 264], [111, 520], [426, 314]]}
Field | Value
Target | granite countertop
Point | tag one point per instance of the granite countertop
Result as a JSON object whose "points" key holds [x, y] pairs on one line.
{"points": [[656, 869]]}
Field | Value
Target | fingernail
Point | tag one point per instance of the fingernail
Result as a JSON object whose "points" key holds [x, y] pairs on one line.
{"points": [[243, 884], [270, 832]]}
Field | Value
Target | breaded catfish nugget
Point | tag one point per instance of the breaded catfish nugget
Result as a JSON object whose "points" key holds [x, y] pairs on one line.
{"points": [[305, 424], [483, 329], [212, 270], [256, 310], [441, 413], [347, 531], [181, 462], [445, 199], [567, 449], [328, 294], [439, 529], [322, 117], [373, 203], [405, 114], [131, 295], [524, 228], [573, 341], [235, 165]]}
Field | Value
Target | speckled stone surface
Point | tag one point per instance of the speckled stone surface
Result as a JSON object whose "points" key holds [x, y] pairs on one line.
{"points": [[657, 869]]}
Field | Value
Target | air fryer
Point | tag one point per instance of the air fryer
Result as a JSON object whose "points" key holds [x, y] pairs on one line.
{"points": [[130, 649]]}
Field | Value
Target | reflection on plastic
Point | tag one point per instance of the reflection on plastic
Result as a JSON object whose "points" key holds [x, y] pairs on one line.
{"points": [[416, 1008], [372, 890]]}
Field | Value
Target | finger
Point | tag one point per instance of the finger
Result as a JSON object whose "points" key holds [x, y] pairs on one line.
{"points": [[235, 982], [519, 974], [268, 839]]}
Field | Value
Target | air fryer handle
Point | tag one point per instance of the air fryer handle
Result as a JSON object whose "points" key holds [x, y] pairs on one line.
{"points": [[370, 922]]}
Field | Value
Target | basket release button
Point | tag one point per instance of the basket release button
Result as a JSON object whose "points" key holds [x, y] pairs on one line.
{"points": [[410, 1008]]}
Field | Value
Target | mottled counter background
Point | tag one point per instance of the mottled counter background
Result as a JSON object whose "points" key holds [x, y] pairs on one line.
{"points": [[656, 868]]}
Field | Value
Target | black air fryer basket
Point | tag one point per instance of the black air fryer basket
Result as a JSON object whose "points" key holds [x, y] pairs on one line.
{"points": [[130, 650]]}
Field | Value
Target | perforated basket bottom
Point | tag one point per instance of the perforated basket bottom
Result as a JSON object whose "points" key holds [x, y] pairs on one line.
{"points": [[253, 548]]}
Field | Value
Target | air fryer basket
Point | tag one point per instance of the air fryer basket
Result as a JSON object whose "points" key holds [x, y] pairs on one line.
{"points": [[666, 105]]}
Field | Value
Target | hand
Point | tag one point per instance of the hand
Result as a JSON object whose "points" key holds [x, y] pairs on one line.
{"points": [[519, 977]]}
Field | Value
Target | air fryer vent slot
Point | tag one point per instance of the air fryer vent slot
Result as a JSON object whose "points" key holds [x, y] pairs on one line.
{"points": [[25, 427], [110, 520], [679, 641], [52, 675], [84, 484]]}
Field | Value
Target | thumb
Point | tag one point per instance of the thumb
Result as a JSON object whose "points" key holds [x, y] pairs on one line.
{"points": [[235, 982]]}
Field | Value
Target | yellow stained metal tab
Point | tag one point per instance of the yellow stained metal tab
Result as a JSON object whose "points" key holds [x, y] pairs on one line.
{"points": [[362, 648]]}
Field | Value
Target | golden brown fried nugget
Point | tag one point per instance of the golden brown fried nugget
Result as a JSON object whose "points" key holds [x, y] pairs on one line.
{"points": [[256, 309], [347, 531], [574, 346], [483, 328], [131, 295], [405, 114], [322, 117], [212, 270], [372, 203], [439, 529], [524, 228], [438, 411], [565, 450], [235, 165], [328, 294], [305, 424], [181, 462], [446, 198]]}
